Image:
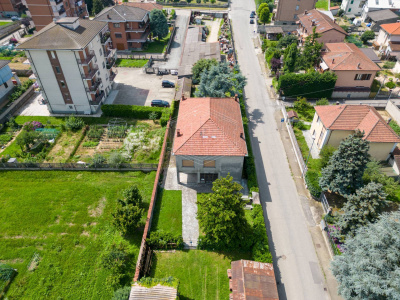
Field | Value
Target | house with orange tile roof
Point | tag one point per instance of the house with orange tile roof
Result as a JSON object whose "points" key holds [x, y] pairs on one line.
{"points": [[388, 40], [209, 140], [355, 71], [330, 31], [333, 123]]}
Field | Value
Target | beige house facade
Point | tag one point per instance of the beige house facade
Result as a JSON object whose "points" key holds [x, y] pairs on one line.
{"points": [[334, 123]]}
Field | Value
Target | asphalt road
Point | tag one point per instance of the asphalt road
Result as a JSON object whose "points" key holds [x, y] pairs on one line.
{"points": [[296, 265]]}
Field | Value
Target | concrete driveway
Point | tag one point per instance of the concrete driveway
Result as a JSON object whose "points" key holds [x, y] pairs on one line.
{"points": [[138, 88]]}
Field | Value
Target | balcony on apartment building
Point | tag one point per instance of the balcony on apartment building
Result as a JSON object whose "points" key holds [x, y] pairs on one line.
{"points": [[91, 72], [142, 27], [113, 74], [110, 62], [97, 99], [88, 58], [105, 37], [141, 39], [110, 52], [95, 86]]}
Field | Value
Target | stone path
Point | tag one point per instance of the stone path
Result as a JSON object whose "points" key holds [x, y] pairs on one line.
{"points": [[213, 36]]}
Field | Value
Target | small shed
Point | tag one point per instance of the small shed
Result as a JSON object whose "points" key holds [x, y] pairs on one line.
{"points": [[371, 54], [252, 280], [292, 116], [379, 17]]}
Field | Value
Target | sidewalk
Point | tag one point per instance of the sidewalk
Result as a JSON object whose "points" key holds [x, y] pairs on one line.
{"points": [[312, 209]]}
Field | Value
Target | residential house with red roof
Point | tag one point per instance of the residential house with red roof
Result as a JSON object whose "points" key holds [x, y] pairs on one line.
{"points": [[209, 139], [330, 31], [355, 71], [388, 40], [333, 123]]}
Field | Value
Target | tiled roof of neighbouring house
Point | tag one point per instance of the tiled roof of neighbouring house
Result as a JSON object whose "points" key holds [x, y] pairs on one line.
{"points": [[149, 6], [346, 56], [357, 117], [320, 21], [121, 13], [209, 126], [392, 28]]}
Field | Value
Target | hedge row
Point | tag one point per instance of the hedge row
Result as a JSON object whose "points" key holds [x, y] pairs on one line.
{"points": [[312, 181], [260, 250], [131, 111], [309, 85], [20, 89], [249, 169], [161, 239]]}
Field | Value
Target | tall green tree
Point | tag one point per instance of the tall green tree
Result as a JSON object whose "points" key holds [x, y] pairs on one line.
{"points": [[97, 6], [158, 24], [367, 36], [346, 166], [287, 40], [264, 15], [370, 266], [290, 58], [221, 81], [311, 51], [221, 215], [362, 208], [261, 7], [200, 66]]}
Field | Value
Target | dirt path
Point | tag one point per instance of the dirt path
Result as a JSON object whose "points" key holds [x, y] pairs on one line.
{"points": [[213, 36]]}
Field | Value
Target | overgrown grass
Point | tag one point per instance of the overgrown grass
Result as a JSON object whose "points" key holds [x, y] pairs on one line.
{"points": [[65, 217], [313, 164], [395, 126], [5, 23], [131, 63], [201, 274], [168, 212], [305, 115], [322, 4], [157, 46]]}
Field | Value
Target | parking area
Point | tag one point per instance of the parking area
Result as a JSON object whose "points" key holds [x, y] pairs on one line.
{"points": [[138, 88]]}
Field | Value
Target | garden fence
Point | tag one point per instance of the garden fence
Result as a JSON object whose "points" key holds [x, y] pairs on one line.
{"points": [[324, 202], [77, 167]]}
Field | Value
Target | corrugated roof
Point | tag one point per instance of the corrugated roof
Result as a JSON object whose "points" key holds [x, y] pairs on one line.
{"points": [[210, 126], [121, 13], [322, 22], [57, 37], [4, 63], [391, 28], [346, 56], [253, 280], [357, 117]]}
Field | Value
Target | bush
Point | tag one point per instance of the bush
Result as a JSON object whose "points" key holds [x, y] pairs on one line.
{"points": [[19, 90], [260, 249], [97, 160], [312, 181], [122, 293], [32, 126], [390, 84], [74, 123], [131, 111], [300, 125], [164, 240], [325, 154], [388, 65], [367, 36], [116, 159], [90, 144], [322, 101], [320, 85], [95, 132], [5, 138]]}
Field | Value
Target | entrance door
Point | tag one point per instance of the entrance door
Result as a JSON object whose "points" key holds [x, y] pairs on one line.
{"points": [[207, 177], [120, 46]]}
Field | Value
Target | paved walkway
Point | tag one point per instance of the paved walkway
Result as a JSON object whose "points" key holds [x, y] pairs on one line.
{"points": [[310, 144], [215, 25]]}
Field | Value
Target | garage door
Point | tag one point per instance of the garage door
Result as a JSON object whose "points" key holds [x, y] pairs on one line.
{"points": [[120, 46]]}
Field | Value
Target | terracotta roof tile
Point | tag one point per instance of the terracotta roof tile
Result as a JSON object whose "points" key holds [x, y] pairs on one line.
{"points": [[323, 23], [209, 126], [346, 56], [357, 117], [149, 6], [392, 28]]}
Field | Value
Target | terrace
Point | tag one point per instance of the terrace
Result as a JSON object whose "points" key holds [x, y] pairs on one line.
{"points": [[95, 85], [97, 99], [88, 58], [91, 72]]}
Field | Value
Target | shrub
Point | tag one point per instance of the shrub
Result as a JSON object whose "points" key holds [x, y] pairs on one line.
{"points": [[5, 138], [390, 84], [388, 65], [312, 181], [300, 125], [260, 249], [322, 101], [32, 126], [320, 85], [122, 293], [325, 154], [164, 240], [116, 159], [19, 90], [74, 123], [116, 259], [90, 144], [130, 111], [95, 132], [97, 160]]}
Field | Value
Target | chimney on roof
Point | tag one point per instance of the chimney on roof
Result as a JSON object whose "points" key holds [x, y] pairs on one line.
{"points": [[305, 12], [108, 17], [236, 97], [241, 135], [337, 103], [312, 23], [178, 132], [334, 20], [388, 121], [333, 60], [359, 66], [183, 98]]}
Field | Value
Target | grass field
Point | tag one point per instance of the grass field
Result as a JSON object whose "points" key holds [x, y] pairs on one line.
{"points": [[168, 212], [5, 23], [201, 274], [131, 63], [322, 4], [65, 217], [157, 46]]}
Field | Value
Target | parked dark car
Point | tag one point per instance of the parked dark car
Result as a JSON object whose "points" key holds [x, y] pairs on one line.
{"points": [[251, 21], [159, 103], [167, 83], [252, 15]]}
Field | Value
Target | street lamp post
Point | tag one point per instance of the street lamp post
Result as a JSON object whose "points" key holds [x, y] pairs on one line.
{"points": [[390, 94], [309, 152], [384, 78]]}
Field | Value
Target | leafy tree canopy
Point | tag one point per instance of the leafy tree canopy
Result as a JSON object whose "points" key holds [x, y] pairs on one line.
{"points": [[287, 40], [370, 266], [290, 59], [346, 166], [367, 36], [261, 7], [264, 15], [221, 81], [97, 6], [200, 66], [312, 50], [158, 24], [221, 214], [322, 101]]}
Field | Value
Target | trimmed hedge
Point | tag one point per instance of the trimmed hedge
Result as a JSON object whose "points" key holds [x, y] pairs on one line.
{"points": [[312, 181], [309, 85], [161, 239], [131, 111], [260, 250]]}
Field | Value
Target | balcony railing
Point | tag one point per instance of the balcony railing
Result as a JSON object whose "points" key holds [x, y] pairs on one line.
{"points": [[92, 71], [110, 52], [110, 62], [88, 58], [95, 86], [97, 99], [113, 75], [105, 37], [142, 28]]}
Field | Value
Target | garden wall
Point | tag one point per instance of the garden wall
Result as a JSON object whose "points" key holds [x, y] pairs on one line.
{"points": [[16, 105], [393, 110]]}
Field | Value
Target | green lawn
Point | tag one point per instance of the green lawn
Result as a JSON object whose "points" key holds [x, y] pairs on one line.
{"points": [[322, 4], [202, 274], [5, 23], [168, 212], [157, 46], [65, 217], [131, 63]]}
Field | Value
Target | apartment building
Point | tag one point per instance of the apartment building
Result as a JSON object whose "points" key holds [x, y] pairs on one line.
{"points": [[352, 7], [287, 10], [72, 60], [43, 12], [129, 25], [9, 8]]}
